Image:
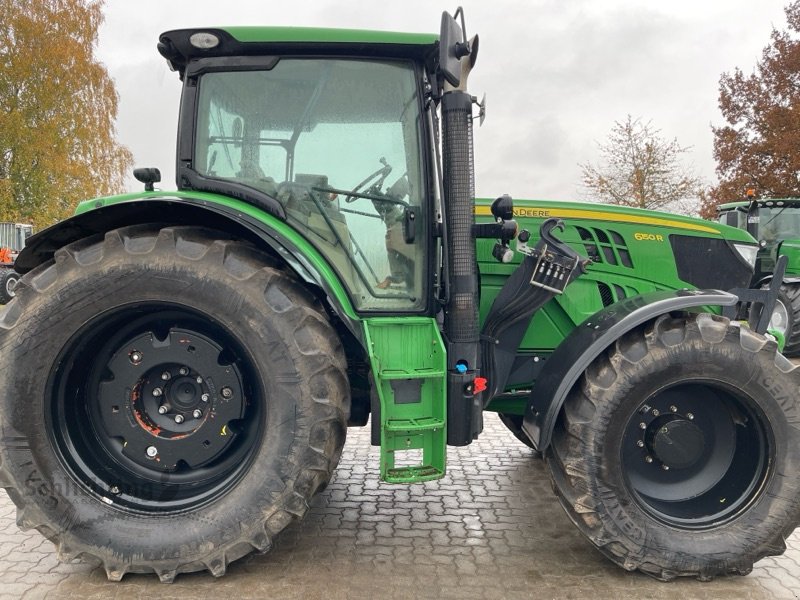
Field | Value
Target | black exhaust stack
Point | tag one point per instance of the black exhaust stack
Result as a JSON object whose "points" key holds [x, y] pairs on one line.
{"points": [[461, 328], [464, 409]]}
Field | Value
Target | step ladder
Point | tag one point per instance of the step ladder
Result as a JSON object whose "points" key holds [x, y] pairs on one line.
{"points": [[409, 367]]}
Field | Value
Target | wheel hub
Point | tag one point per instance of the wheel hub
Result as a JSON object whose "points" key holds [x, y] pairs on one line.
{"points": [[675, 442], [779, 320], [171, 402]]}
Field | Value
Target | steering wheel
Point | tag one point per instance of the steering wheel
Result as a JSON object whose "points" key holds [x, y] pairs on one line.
{"points": [[378, 177]]}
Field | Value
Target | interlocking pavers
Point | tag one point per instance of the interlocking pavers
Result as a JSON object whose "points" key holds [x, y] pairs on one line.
{"points": [[491, 529]]}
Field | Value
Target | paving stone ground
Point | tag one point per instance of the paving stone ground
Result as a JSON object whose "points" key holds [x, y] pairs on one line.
{"points": [[491, 528]]}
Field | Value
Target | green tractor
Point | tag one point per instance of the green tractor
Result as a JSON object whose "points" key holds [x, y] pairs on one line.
{"points": [[776, 224], [180, 368]]}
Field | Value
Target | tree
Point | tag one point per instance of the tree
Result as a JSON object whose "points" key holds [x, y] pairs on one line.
{"points": [[57, 110], [641, 169], [759, 148]]}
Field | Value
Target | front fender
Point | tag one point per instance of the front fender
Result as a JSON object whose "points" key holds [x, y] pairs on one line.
{"points": [[587, 341], [303, 259]]}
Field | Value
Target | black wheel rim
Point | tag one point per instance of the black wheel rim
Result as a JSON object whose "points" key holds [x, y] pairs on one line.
{"points": [[696, 455], [155, 408]]}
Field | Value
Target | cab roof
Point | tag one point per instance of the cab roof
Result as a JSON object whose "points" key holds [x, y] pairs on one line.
{"points": [[770, 202], [177, 48]]}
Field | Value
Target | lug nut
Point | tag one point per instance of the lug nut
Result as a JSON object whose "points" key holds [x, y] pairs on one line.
{"points": [[640, 443], [166, 376], [179, 419], [665, 467], [642, 425], [183, 371], [656, 412], [197, 413], [162, 410], [673, 408], [205, 397], [226, 392], [157, 392], [199, 379], [664, 430], [152, 451], [648, 459], [135, 357], [114, 490], [689, 416]]}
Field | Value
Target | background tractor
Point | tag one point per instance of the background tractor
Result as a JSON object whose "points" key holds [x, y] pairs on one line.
{"points": [[776, 224], [12, 241], [181, 367]]}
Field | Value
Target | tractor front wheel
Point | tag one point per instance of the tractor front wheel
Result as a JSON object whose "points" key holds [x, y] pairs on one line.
{"points": [[786, 317], [170, 401], [678, 453]]}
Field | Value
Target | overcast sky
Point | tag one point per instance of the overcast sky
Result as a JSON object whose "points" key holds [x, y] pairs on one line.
{"points": [[557, 73]]}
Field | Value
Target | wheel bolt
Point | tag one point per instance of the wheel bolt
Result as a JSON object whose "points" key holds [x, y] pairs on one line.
{"points": [[183, 371], [648, 459], [226, 392], [166, 376], [665, 467], [152, 451], [162, 410], [642, 425], [205, 397], [199, 379], [135, 357], [656, 412], [673, 408], [179, 419], [640, 443], [689, 416], [197, 413], [157, 392]]}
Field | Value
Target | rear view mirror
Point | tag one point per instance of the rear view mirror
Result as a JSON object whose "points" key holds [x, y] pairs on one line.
{"points": [[451, 42]]}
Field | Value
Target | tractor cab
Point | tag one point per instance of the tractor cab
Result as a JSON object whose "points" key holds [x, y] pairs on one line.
{"points": [[333, 143], [775, 223]]}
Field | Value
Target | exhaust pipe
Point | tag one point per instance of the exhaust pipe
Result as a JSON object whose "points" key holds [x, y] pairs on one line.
{"points": [[461, 330]]}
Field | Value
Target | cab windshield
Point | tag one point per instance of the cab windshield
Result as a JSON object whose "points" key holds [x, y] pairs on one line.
{"points": [[776, 223], [337, 143]]}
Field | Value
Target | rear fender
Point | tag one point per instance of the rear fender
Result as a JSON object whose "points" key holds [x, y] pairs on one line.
{"points": [[41, 247], [587, 341]]}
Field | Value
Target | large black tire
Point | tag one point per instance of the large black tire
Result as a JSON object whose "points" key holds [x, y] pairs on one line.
{"points": [[85, 454], [678, 453], [8, 283], [786, 318]]}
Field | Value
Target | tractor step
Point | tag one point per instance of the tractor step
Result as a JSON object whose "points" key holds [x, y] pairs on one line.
{"points": [[409, 367]]}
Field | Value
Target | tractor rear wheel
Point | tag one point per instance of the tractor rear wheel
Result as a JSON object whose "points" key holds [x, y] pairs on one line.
{"points": [[8, 283], [678, 453], [171, 401]]}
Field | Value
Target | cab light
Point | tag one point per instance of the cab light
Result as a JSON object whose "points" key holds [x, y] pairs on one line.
{"points": [[204, 40]]}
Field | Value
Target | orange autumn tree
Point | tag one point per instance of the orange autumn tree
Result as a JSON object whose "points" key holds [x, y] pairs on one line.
{"points": [[58, 105], [759, 148]]}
